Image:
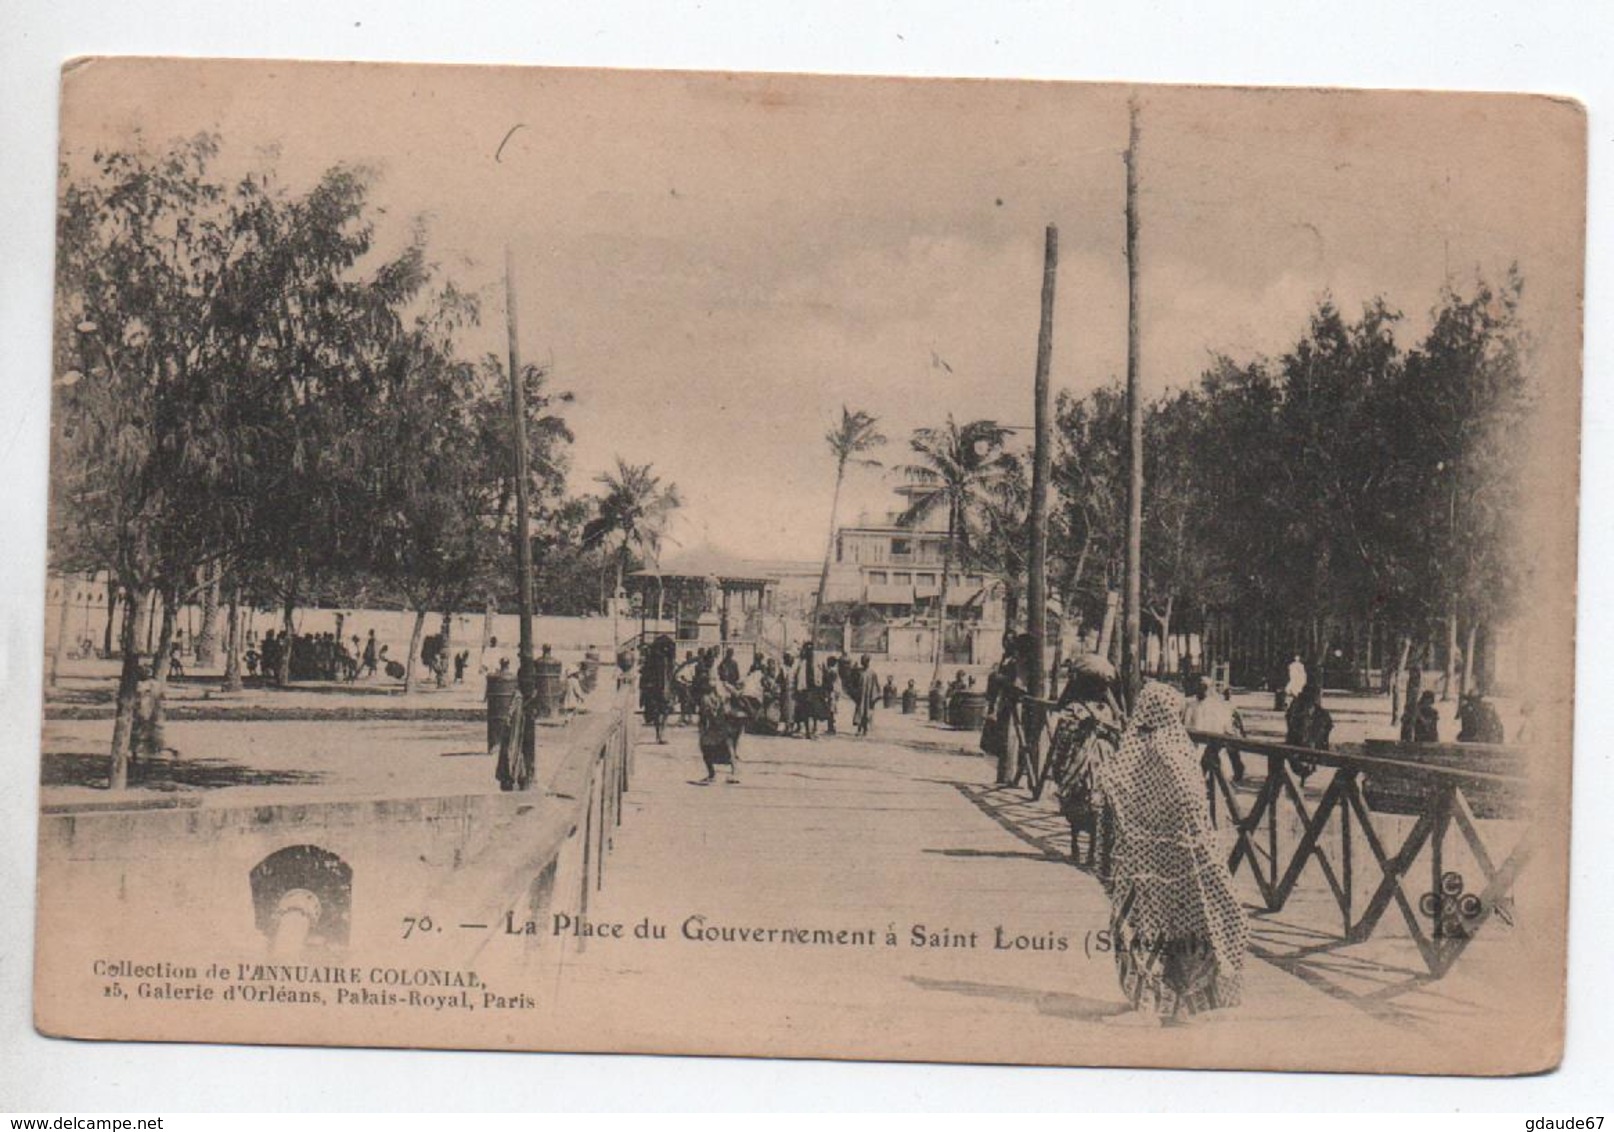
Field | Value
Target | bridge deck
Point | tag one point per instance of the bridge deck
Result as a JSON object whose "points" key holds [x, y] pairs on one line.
{"points": [[890, 833]]}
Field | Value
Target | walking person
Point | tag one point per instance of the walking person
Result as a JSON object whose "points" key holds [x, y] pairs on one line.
{"points": [[1212, 713], [1178, 932], [572, 695], [722, 722], [787, 695], [1426, 719], [657, 688], [1307, 724], [1004, 687], [868, 691], [830, 693], [684, 687], [1409, 712], [1398, 693], [1298, 678], [807, 692], [1478, 721], [372, 657]]}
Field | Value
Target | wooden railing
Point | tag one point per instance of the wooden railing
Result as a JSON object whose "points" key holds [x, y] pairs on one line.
{"points": [[1346, 818], [568, 832], [1363, 796]]}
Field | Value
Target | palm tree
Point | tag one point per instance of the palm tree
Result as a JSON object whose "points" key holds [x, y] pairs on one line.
{"points": [[998, 540], [634, 510], [857, 433], [958, 464]]}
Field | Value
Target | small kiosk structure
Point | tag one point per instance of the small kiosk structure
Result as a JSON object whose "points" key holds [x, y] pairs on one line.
{"points": [[705, 598]]}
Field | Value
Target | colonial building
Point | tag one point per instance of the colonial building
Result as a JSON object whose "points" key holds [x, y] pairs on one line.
{"points": [[889, 573], [897, 570]]}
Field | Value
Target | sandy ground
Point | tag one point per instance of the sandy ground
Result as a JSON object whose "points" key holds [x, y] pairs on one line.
{"points": [[904, 832], [902, 835]]}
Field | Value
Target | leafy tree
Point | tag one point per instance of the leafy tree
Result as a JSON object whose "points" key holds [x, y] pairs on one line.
{"points": [[145, 245], [222, 350], [1466, 397], [1179, 564], [323, 341], [999, 541], [1089, 478], [431, 519], [566, 572], [1345, 482]]}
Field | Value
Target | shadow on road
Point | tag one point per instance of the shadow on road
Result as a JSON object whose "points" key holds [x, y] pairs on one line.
{"points": [[1034, 822], [961, 746], [164, 774], [1003, 855]]}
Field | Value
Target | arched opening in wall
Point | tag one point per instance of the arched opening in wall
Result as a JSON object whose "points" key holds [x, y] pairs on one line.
{"points": [[303, 897]]}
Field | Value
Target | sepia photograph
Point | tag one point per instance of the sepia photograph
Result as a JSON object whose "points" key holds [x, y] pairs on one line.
{"points": [[805, 566]]}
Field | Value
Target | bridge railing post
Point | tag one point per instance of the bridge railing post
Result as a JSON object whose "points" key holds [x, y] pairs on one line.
{"points": [[1425, 784]]}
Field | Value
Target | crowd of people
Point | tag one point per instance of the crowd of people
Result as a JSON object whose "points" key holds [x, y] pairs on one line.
{"points": [[326, 656], [314, 656], [793, 696]]}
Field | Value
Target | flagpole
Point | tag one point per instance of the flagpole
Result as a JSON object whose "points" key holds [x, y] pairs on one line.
{"points": [[526, 669]]}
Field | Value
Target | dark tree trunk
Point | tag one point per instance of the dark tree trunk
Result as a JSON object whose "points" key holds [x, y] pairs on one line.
{"points": [[414, 651], [1403, 658], [128, 691], [288, 633], [111, 616], [232, 643], [941, 601], [162, 664], [62, 620], [829, 551], [448, 648], [1059, 651], [1409, 708], [151, 623], [207, 636], [1467, 685], [1449, 677], [1107, 636], [1163, 620]]}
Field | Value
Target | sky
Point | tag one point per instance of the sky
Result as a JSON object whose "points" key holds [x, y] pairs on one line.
{"points": [[715, 264]]}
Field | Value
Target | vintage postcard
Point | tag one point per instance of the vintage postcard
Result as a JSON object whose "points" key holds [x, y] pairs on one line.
{"points": [[806, 566]]}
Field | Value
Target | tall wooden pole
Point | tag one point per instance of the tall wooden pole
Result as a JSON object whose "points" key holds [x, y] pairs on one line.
{"points": [[1131, 659], [526, 670], [1041, 469]]}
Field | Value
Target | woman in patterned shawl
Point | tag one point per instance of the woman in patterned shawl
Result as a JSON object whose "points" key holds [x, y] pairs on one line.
{"points": [[1177, 928]]}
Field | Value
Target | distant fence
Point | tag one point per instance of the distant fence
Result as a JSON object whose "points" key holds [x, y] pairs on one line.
{"points": [[1379, 816]]}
